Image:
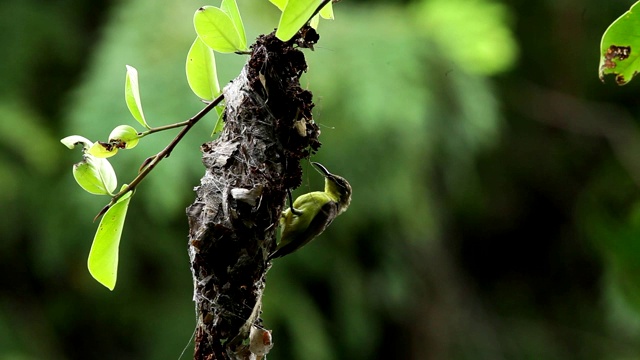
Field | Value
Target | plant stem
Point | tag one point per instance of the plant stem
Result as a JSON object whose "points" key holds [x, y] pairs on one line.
{"points": [[162, 128], [188, 124]]}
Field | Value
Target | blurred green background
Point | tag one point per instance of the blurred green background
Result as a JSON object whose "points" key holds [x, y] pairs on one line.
{"points": [[496, 210]]}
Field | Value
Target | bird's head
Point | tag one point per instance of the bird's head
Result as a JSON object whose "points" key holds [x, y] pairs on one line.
{"points": [[336, 186]]}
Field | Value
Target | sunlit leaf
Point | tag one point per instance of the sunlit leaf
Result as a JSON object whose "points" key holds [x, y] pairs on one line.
{"points": [[327, 11], [315, 21], [102, 150], [294, 16], [95, 175], [125, 134], [230, 7], [103, 257], [201, 69], [87, 177], [74, 140], [132, 95], [620, 47], [281, 4], [215, 28]]}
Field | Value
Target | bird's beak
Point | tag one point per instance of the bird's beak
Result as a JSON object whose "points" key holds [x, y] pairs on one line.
{"points": [[323, 170]]}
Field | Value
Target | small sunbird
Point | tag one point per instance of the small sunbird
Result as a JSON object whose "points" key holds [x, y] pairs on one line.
{"points": [[312, 213]]}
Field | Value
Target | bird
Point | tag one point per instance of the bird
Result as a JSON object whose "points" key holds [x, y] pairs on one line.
{"points": [[312, 213]]}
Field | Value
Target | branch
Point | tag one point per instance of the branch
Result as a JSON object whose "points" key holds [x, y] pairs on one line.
{"points": [[163, 128], [145, 170]]}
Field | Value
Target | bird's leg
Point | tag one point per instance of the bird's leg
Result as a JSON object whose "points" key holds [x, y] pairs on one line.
{"points": [[294, 211]]}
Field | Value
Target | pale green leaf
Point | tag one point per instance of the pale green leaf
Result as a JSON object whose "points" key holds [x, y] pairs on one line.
{"points": [[103, 257], [73, 140], [132, 96], [106, 172], [216, 30], [102, 150], [125, 134], [620, 47], [327, 11], [95, 175], [88, 179], [201, 69], [294, 16], [281, 4], [230, 7], [315, 21]]}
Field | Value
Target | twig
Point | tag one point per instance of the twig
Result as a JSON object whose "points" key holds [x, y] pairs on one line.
{"points": [[188, 124], [165, 127], [322, 5]]}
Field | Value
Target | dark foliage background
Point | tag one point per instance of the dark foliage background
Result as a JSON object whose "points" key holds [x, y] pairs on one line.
{"points": [[495, 211]]}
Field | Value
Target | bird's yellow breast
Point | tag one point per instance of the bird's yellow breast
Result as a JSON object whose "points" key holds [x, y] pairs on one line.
{"points": [[309, 205]]}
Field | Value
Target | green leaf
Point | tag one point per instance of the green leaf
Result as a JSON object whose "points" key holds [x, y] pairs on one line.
{"points": [[327, 11], [124, 134], [95, 175], [132, 96], [202, 74], [620, 47], [102, 150], [294, 16], [103, 257], [315, 21], [73, 140], [219, 123], [215, 28], [281, 4], [230, 7]]}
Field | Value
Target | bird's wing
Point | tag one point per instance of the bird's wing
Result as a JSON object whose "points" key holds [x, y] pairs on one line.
{"points": [[322, 220], [299, 230], [309, 205]]}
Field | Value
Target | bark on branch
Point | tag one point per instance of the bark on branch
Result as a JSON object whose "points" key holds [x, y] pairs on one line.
{"points": [[233, 221]]}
